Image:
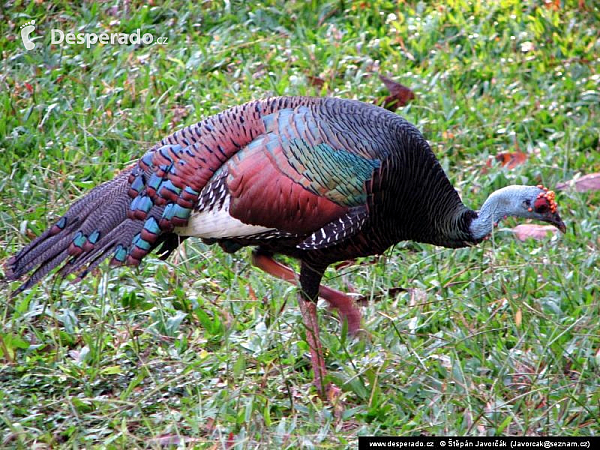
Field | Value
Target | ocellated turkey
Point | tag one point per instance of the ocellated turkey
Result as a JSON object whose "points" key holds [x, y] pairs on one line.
{"points": [[318, 179]]}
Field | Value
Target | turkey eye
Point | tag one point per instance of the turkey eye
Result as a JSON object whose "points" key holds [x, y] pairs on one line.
{"points": [[541, 205], [527, 203]]}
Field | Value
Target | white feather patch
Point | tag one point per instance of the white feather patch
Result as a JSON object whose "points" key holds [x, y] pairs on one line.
{"points": [[217, 224]]}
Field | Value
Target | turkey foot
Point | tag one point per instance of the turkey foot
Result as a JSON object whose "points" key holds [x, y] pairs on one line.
{"points": [[343, 303]]}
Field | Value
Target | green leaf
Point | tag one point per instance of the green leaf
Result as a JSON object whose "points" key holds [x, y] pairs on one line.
{"points": [[239, 367], [111, 370]]}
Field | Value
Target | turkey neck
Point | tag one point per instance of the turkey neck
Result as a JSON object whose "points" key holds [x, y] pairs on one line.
{"points": [[491, 213], [500, 204], [424, 206]]}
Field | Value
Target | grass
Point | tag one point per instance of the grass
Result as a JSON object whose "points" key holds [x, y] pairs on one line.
{"points": [[204, 351]]}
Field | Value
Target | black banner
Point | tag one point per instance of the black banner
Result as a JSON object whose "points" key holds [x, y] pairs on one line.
{"points": [[457, 442]]}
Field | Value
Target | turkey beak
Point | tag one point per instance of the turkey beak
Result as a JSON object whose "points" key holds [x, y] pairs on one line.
{"points": [[555, 220]]}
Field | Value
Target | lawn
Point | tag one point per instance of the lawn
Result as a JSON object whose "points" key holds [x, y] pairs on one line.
{"points": [[204, 351]]}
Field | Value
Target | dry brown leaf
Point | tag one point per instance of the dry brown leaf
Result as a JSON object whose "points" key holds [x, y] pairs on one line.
{"points": [[179, 113], [552, 4], [589, 182], [230, 440], [417, 296], [526, 370], [518, 318], [344, 264], [315, 81], [534, 231], [511, 160], [399, 96], [251, 293], [327, 16]]}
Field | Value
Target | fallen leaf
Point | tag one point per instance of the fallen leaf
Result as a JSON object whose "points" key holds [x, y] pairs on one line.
{"points": [[171, 440], [526, 370], [518, 318], [408, 54], [417, 296], [400, 94], [552, 4], [251, 293], [210, 425], [230, 440], [344, 264], [590, 182], [315, 81], [179, 112], [327, 16], [534, 231], [511, 160]]}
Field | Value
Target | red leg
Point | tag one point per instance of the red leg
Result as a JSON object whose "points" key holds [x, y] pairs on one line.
{"points": [[272, 267], [345, 306], [309, 317], [338, 300]]}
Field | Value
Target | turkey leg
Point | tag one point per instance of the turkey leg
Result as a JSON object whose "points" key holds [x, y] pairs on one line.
{"points": [[308, 309], [347, 309]]}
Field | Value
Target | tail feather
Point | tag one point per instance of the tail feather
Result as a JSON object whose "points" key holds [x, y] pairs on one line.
{"points": [[41, 272], [140, 209], [44, 247], [53, 240], [122, 235], [41, 256], [94, 228]]}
